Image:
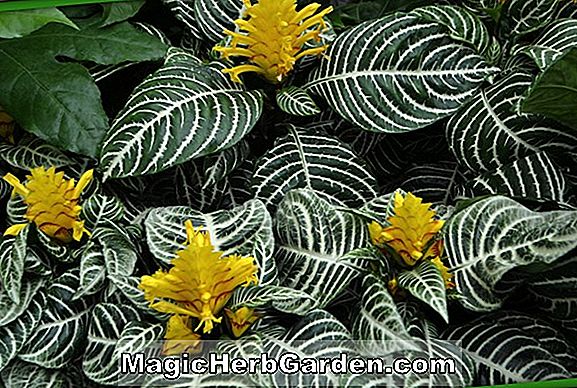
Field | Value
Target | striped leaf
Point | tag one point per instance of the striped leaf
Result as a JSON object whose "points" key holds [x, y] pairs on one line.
{"points": [[240, 189], [5, 188], [314, 239], [137, 337], [92, 270], [191, 189], [220, 165], [20, 374], [124, 289], [556, 39], [462, 25], [10, 311], [120, 253], [566, 9], [37, 263], [553, 292], [521, 17], [380, 208], [100, 363], [434, 183], [100, 209], [490, 132], [60, 335], [495, 235], [386, 158], [415, 320], [312, 160], [54, 249], [479, 6], [378, 324], [426, 283], [16, 209], [185, 110], [12, 263], [297, 102], [153, 31], [318, 335], [200, 381], [280, 298], [245, 230], [510, 347], [534, 177], [435, 349], [14, 335], [376, 86], [215, 16], [184, 11], [206, 19], [427, 347], [32, 152]]}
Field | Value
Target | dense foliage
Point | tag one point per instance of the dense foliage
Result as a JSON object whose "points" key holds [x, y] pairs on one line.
{"points": [[397, 179]]}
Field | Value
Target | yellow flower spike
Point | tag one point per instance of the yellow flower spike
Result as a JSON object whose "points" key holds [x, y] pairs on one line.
{"points": [[375, 231], [271, 38], [14, 229], [52, 203], [393, 286], [179, 338], [196, 237], [411, 228], [240, 320], [200, 281], [7, 126], [447, 277]]}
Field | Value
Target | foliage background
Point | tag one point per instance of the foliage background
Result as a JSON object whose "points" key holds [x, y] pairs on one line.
{"points": [[467, 104]]}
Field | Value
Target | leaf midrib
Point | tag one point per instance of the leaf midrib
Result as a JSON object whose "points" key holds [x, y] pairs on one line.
{"points": [[403, 73]]}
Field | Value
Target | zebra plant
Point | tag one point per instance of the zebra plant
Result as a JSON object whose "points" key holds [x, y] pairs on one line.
{"points": [[362, 178]]}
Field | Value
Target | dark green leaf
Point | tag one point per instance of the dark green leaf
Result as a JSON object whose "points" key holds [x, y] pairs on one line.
{"points": [[554, 93], [20, 23], [57, 101], [117, 12]]}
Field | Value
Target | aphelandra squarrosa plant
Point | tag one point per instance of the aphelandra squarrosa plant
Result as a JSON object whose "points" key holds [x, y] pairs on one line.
{"points": [[181, 176]]}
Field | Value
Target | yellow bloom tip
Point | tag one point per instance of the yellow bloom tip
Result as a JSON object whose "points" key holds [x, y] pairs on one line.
{"points": [[14, 230], [393, 286], [52, 202], [272, 36], [200, 282], [411, 228], [83, 182], [447, 276], [239, 321], [179, 338]]}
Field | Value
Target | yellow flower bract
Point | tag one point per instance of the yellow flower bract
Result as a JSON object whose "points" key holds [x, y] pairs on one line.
{"points": [[447, 277], [53, 203], [200, 281], [411, 228], [272, 37], [240, 320], [179, 338]]}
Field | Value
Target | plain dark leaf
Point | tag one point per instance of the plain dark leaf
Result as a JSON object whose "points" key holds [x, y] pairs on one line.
{"points": [[554, 94], [57, 101]]}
